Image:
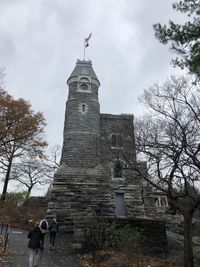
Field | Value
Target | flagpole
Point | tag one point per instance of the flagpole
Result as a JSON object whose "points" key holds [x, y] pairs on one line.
{"points": [[86, 44], [84, 50]]}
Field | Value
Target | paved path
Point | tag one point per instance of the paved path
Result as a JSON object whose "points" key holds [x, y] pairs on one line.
{"points": [[61, 256]]}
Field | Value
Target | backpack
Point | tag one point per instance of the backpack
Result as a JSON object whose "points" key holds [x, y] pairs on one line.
{"points": [[53, 227], [43, 225]]}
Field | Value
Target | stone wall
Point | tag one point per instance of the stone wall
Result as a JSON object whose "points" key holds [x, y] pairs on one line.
{"points": [[84, 185], [117, 124], [77, 193], [130, 182]]}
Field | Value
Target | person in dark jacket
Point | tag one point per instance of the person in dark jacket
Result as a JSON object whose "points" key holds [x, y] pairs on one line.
{"points": [[44, 228], [53, 230], [35, 239]]}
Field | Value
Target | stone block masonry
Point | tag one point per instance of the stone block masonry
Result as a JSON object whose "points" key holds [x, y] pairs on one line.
{"points": [[90, 181]]}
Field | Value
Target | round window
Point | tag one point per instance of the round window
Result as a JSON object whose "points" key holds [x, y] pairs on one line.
{"points": [[84, 87]]}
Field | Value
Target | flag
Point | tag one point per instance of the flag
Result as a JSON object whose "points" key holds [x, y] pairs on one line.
{"points": [[87, 40]]}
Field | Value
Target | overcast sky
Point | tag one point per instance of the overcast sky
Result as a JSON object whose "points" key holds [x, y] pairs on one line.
{"points": [[40, 41]]}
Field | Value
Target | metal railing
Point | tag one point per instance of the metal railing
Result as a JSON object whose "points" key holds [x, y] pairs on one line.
{"points": [[5, 232]]}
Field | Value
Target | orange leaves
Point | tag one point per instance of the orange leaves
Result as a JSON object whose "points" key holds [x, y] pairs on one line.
{"points": [[117, 259], [19, 124], [21, 132]]}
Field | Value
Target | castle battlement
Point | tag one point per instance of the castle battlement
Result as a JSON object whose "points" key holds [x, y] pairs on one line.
{"points": [[122, 116]]}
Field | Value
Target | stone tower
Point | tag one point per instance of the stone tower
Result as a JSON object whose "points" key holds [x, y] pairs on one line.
{"points": [[90, 180], [80, 187], [82, 118]]}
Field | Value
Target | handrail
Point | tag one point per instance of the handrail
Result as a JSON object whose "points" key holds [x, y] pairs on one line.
{"points": [[5, 234]]}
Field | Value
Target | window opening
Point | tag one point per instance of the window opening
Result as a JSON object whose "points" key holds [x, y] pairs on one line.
{"points": [[84, 87], [120, 143], [114, 140], [118, 170], [120, 205], [83, 108], [163, 201]]}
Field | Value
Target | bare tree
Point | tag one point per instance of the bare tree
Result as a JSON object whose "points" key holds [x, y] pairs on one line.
{"points": [[168, 139], [52, 160], [31, 172]]}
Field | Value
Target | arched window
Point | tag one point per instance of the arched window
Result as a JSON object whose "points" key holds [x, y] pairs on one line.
{"points": [[118, 170], [116, 141], [84, 85]]}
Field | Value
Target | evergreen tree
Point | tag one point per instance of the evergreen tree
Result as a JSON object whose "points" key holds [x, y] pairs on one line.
{"points": [[183, 39]]}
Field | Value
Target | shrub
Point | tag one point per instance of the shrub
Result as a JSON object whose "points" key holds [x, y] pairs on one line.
{"points": [[99, 233], [127, 238], [102, 234], [16, 198], [16, 214]]}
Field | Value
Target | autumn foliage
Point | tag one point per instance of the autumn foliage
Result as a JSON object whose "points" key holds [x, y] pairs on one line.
{"points": [[18, 122], [21, 132]]}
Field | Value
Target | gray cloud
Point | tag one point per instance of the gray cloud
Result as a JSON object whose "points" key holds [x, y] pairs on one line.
{"points": [[41, 40]]}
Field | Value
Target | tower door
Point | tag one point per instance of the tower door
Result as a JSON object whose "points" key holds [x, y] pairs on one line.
{"points": [[120, 205]]}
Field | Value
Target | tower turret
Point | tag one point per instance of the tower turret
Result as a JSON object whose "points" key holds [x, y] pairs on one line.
{"points": [[82, 118]]}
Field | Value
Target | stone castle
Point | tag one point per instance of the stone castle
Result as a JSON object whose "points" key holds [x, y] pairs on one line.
{"points": [[91, 179]]}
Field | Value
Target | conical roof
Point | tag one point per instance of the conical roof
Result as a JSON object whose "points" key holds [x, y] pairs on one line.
{"points": [[83, 68]]}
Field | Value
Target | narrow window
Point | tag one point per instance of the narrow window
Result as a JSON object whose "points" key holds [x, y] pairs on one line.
{"points": [[114, 140], [156, 201], [120, 141], [163, 201], [118, 170], [83, 108]]}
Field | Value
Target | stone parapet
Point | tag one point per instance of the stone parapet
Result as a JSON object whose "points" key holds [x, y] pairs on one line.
{"points": [[122, 116]]}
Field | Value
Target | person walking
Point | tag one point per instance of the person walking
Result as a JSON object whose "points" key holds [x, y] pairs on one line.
{"points": [[35, 239], [53, 230], [44, 228]]}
